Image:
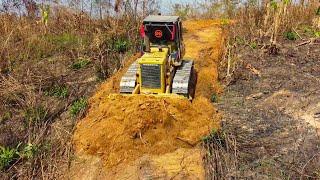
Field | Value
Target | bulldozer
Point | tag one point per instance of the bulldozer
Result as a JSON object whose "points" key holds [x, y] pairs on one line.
{"points": [[161, 70]]}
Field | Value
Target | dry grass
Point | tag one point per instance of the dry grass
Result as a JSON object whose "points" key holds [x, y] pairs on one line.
{"points": [[44, 69], [260, 27]]}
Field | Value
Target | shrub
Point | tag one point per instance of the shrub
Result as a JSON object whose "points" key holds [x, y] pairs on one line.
{"points": [[78, 106], [290, 35], [7, 156]]}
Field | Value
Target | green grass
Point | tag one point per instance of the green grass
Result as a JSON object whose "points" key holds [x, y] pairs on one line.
{"points": [[290, 35], [7, 156], [78, 106], [29, 151], [58, 92], [121, 45], [253, 45], [81, 63], [213, 133]]}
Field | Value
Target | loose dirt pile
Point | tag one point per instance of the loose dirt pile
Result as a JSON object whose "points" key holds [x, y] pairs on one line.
{"points": [[121, 129], [124, 131]]}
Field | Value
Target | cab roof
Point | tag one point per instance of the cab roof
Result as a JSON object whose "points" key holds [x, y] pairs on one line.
{"points": [[161, 19]]}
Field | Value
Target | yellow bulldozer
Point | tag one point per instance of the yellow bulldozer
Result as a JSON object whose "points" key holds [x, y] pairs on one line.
{"points": [[161, 69]]}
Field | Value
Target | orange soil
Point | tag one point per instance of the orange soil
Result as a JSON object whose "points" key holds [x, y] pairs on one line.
{"points": [[121, 129]]}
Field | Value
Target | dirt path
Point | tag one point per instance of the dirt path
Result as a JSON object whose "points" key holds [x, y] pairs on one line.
{"points": [[275, 117], [146, 137]]}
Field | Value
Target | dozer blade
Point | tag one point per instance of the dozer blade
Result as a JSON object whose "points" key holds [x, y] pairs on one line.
{"points": [[161, 95]]}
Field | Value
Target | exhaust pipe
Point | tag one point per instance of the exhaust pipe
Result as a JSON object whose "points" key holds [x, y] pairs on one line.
{"points": [[147, 43]]}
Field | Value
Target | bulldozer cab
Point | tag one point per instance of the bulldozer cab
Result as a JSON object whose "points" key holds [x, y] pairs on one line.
{"points": [[160, 70], [163, 31]]}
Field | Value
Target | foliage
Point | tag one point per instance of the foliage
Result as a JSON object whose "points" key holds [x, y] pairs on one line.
{"points": [[182, 10], [215, 135], [253, 45], [81, 63], [214, 98], [121, 45], [78, 106], [7, 156], [274, 4], [29, 151], [58, 91], [35, 114], [290, 35]]}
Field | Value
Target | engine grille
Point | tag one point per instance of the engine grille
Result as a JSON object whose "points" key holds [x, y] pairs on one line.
{"points": [[151, 76]]}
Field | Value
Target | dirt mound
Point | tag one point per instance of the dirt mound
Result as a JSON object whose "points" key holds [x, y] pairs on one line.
{"points": [[123, 129]]}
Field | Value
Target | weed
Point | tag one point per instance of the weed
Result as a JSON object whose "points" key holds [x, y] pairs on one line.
{"points": [[78, 106], [81, 63], [58, 91], [253, 45], [214, 98], [274, 4], [317, 34], [121, 45], [7, 156], [290, 35], [29, 151], [225, 21], [212, 134], [35, 114]]}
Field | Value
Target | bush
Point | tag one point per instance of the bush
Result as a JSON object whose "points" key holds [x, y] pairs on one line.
{"points": [[7, 156], [78, 106]]}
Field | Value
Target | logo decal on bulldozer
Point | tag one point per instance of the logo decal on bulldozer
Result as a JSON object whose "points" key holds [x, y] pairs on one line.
{"points": [[158, 33]]}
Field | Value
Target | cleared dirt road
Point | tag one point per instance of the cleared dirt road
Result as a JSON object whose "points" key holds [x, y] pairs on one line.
{"points": [[142, 136]]}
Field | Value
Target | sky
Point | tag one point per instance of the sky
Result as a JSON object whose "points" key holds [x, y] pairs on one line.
{"points": [[166, 5]]}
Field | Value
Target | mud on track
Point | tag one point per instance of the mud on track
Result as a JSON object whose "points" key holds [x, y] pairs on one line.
{"points": [[142, 136]]}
